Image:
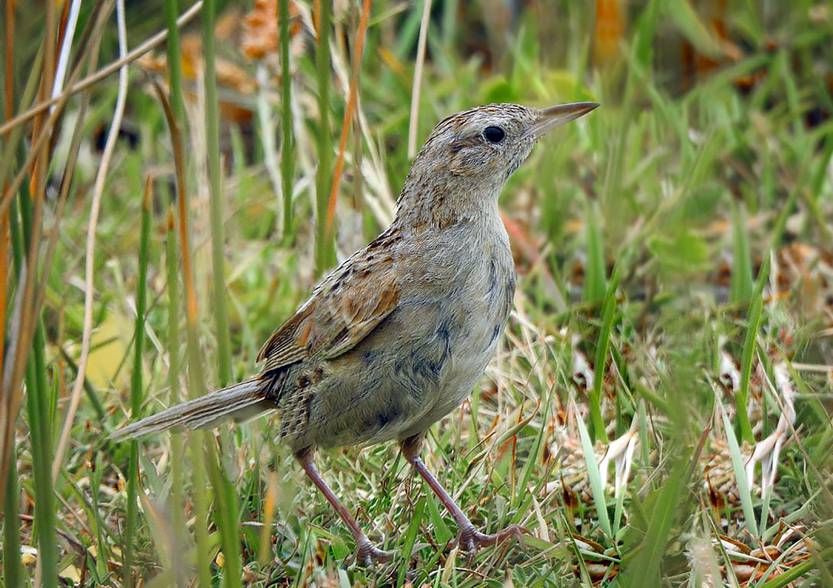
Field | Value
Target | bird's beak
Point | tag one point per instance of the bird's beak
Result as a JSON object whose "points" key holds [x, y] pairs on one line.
{"points": [[555, 116]]}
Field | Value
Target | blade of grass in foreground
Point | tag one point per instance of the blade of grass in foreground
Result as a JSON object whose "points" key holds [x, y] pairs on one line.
{"points": [[212, 137], [594, 284], [131, 525], [174, 63], [177, 451], [226, 511], [644, 569], [595, 478], [177, 454], [324, 243], [740, 475], [600, 359], [38, 411], [195, 380], [12, 570], [753, 322], [742, 283]]}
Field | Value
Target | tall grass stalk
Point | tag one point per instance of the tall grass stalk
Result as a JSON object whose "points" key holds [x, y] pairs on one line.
{"points": [[225, 515], [38, 411], [226, 511], [177, 454], [196, 383], [13, 370], [195, 440], [287, 143], [38, 405], [32, 296], [174, 61], [212, 136], [131, 525], [12, 570], [17, 350], [324, 242], [174, 302]]}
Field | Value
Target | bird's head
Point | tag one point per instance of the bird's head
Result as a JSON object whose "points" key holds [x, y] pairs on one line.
{"points": [[470, 155]]}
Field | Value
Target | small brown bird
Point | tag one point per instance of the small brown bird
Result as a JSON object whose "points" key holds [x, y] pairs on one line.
{"points": [[396, 337]]}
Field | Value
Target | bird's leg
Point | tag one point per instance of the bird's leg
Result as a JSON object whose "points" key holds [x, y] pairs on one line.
{"points": [[367, 553], [469, 538]]}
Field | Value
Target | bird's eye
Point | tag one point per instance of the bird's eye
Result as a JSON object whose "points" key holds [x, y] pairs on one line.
{"points": [[494, 134]]}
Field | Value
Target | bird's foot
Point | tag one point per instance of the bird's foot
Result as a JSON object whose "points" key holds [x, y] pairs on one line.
{"points": [[368, 554], [470, 539]]}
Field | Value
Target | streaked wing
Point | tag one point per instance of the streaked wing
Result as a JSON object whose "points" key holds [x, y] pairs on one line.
{"points": [[343, 309]]}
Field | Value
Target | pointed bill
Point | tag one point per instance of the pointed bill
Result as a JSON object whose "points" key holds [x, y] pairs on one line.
{"points": [[555, 116]]}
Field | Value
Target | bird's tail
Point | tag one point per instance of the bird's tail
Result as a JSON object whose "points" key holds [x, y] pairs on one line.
{"points": [[238, 401]]}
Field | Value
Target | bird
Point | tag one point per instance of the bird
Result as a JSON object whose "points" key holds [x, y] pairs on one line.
{"points": [[397, 336]]}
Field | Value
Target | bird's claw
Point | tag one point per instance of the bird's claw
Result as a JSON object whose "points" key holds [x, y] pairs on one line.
{"points": [[368, 554], [470, 539]]}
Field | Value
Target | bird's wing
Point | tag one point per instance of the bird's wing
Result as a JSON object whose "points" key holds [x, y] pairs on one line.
{"points": [[343, 309]]}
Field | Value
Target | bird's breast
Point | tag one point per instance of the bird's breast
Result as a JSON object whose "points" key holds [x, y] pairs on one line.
{"points": [[457, 305]]}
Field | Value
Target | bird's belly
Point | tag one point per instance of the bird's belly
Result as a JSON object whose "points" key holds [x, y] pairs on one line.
{"points": [[416, 367], [476, 324]]}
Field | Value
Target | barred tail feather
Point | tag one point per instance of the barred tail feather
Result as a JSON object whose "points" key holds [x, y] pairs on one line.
{"points": [[238, 401]]}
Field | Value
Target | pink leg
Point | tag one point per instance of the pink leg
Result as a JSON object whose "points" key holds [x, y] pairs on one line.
{"points": [[367, 553], [469, 538]]}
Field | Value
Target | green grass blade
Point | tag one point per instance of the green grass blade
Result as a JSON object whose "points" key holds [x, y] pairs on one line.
{"points": [[38, 411], [131, 526], [595, 478], [225, 515], [792, 574], [742, 283], [600, 359], [594, 284], [324, 243], [174, 60], [177, 452], [226, 511], [740, 475], [753, 323], [287, 144], [644, 569], [410, 539], [12, 570], [212, 135], [196, 381]]}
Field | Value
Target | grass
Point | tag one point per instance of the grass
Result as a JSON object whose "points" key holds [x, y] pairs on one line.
{"points": [[687, 218], [287, 145], [136, 391]]}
